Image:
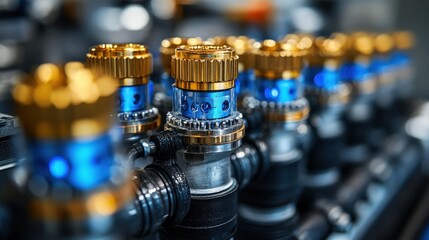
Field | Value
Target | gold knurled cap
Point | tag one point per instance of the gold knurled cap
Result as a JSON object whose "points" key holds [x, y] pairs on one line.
{"points": [[404, 40], [169, 45], [130, 63], [284, 59], [358, 45], [204, 67], [305, 39], [244, 47], [65, 102], [327, 51], [383, 43]]}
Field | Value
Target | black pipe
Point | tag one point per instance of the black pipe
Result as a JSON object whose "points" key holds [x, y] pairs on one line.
{"points": [[162, 192], [250, 161]]}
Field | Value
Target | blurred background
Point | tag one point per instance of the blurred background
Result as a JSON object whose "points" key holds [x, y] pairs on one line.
{"points": [[38, 31]]}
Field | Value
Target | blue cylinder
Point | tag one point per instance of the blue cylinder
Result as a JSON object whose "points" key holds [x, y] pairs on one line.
{"points": [[323, 78], [355, 72], [133, 98], [279, 90], [381, 65], [401, 60], [204, 104]]}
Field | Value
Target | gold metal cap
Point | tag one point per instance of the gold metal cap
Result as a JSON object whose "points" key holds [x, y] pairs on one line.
{"points": [[244, 47], [327, 51], [383, 43], [130, 63], [284, 59], [65, 102], [169, 45], [358, 45], [404, 40], [204, 67]]}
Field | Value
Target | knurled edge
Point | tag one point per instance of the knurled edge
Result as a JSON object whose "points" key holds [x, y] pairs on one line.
{"points": [[122, 67], [204, 70]]}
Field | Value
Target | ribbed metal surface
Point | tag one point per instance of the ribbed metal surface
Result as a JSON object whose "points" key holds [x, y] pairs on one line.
{"points": [[168, 46], [283, 59], [121, 60], [117, 67], [277, 63], [207, 67]]}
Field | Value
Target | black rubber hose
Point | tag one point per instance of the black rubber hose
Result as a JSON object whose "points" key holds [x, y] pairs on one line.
{"points": [[162, 192], [250, 161]]}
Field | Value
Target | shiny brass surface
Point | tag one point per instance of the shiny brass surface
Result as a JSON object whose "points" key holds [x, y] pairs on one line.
{"points": [[327, 51], [168, 46], [244, 47], [404, 40], [211, 137], [130, 63], [204, 67], [134, 127], [359, 46], [294, 116], [65, 102], [383, 43], [284, 59]]}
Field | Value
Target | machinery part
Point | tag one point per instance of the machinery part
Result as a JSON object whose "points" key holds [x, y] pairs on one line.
{"points": [[404, 70], [268, 204], [8, 128], [163, 195], [141, 149], [163, 98], [64, 112], [250, 161], [168, 46], [328, 98], [356, 71], [313, 226], [245, 87], [383, 68], [204, 115], [337, 217], [245, 49], [131, 65], [210, 217]]}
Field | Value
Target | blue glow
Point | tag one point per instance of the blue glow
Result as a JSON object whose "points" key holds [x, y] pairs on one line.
{"points": [[279, 91], [206, 105], [425, 233], [238, 85], [323, 78], [318, 80], [151, 91], [58, 167], [355, 72], [245, 82], [400, 58], [381, 65], [133, 98], [274, 92], [84, 164]]}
